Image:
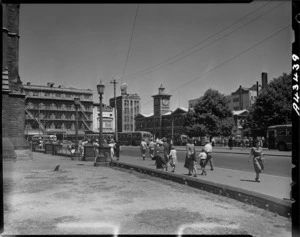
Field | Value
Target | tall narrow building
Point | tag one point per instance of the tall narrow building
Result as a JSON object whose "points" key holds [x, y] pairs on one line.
{"points": [[128, 106]]}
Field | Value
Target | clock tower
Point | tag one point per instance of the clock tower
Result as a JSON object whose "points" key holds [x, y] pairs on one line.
{"points": [[161, 102], [161, 105]]}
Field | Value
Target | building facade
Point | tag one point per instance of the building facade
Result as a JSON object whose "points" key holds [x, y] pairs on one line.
{"points": [[242, 98], [51, 110], [108, 118], [128, 106], [162, 122]]}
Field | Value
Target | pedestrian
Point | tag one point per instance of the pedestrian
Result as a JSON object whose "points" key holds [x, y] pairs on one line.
{"points": [[257, 155], [167, 146], [190, 159], [208, 151], [230, 143], [160, 162], [143, 148], [213, 141], [173, 158], [117, 149], [112, 146], [151, 148], [203, 157]]}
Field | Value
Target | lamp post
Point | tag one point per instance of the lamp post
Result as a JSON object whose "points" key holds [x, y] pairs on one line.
{"points": [[76, 154], [103, 149]]}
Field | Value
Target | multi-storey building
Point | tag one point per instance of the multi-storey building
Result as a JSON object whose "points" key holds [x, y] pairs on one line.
{"points": [[108, 118], [243, 97], [128, 106], [52, 110]]}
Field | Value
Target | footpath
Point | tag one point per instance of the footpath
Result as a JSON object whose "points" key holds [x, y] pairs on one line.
{"points": [[240, 150], [272, 193]]}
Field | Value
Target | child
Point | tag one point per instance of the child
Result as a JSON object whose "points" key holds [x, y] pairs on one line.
{"points": [[173, 158], [203, 157]]}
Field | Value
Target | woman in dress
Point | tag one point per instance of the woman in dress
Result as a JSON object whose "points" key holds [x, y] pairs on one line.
{"points": [[190, 158], [257, 155]]}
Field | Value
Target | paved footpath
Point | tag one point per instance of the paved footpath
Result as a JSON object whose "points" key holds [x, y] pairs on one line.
{"points": [[239, 150], [274, 186]]}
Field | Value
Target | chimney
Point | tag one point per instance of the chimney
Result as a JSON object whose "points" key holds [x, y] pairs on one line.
{"points": [[264, 80], [28, 83], [241, 98]]}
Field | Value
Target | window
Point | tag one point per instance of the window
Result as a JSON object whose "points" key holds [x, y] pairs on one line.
{"points": [[236, 100], [68, 95], [57, 94], [46, 93], [86, 97], [281, 133], [35, 93]]}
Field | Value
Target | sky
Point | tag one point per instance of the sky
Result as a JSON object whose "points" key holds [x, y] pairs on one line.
{"points": [[188, 48]]}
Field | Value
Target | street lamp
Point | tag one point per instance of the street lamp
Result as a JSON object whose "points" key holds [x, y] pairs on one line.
{"points": [[76, 154], [103, 149]]}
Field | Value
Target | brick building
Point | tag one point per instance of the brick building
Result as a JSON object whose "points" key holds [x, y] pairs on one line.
{"points": [[51, 110], [13, 98], [162, 122]]}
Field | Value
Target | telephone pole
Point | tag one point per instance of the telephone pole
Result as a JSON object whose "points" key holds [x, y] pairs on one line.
{"points": [[116, 124]]}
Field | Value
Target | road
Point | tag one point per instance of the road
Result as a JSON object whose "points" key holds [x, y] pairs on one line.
{"points": [[274, 165]]}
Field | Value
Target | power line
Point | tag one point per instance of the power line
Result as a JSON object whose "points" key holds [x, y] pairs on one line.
{"points": [[184, 56], [137, 9], [230, 59]]}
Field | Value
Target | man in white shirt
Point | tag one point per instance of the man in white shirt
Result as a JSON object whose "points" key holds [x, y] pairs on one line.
{"points": [[143, 148], [208, 151]]}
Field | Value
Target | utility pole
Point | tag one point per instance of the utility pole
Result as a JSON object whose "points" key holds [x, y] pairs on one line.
{"points": [[116, 124]]}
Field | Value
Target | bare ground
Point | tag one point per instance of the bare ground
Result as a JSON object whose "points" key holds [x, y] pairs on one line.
{"points": [[83, 199]]}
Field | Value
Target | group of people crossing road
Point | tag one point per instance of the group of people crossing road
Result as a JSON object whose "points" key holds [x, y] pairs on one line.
{"points": [[165, 155]]}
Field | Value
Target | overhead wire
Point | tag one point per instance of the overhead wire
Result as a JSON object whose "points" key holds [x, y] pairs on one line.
{"points": [[205, 46], [130, 42], [228, 60]]}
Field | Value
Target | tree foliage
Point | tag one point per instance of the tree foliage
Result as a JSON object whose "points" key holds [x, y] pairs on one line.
{"points": [[273, 106], [211, 116]]}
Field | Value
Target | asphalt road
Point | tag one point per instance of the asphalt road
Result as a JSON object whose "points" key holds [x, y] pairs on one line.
{"points": [[274, 165]]}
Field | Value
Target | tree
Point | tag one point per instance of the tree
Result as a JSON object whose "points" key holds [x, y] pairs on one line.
{"points": [[211, 116], [273, 106]]}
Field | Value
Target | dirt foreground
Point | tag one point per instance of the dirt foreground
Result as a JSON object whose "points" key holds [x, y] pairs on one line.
{"points": [[83, 199]]}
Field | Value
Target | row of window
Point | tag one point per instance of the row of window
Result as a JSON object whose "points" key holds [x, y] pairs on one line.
{"points": [[67, 116], [59, 95], [70, 126], [57, 106], [131, 102]]}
